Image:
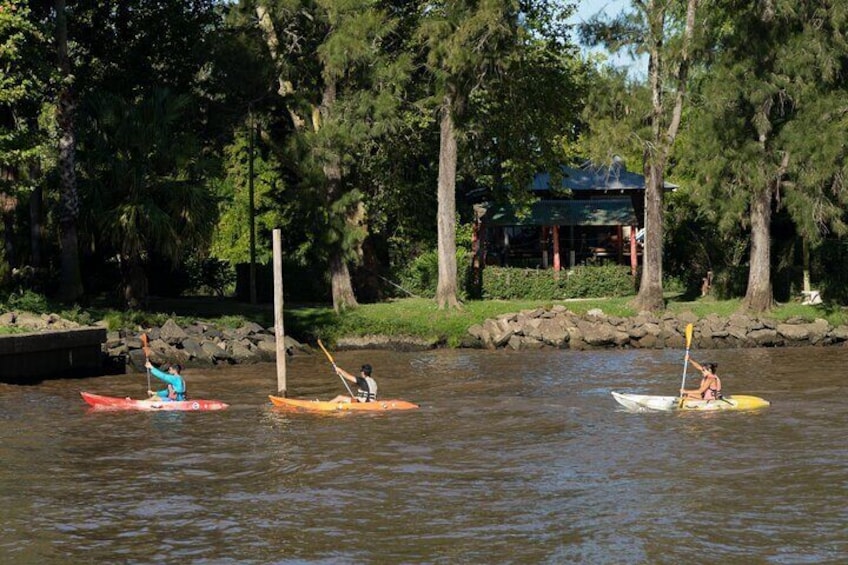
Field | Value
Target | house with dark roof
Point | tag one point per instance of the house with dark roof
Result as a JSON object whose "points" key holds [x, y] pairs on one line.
{"points": [[593, 216]]}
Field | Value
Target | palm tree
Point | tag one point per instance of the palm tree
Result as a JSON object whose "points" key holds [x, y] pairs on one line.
{"points": [[145, 188]]}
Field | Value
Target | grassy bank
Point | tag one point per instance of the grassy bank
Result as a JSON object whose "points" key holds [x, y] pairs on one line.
{"points": [[409, 316]]}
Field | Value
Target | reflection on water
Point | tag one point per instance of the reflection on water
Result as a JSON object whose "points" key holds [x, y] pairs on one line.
{"points": [[513, 457]]}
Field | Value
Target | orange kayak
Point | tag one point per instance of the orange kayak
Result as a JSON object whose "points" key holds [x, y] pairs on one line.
{"points": [[301, 405], [98, 402]]}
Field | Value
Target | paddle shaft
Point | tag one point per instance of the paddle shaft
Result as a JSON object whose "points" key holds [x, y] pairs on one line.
{"points": [[333, 363], [686, 360], [146, 349]]}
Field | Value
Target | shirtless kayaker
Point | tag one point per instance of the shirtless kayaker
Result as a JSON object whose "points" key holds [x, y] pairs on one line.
{"points": [[710, 388]]}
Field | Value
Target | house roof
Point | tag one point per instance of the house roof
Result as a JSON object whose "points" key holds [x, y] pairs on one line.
{"points": [[591, 177], [600, 212]]}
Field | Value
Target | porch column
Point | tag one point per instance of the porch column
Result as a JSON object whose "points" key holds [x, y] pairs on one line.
{"points": [[634, 257], [557, 263], [544, 246]]}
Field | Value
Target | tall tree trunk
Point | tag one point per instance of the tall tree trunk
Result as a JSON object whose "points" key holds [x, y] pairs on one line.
{"points": [[135, 282], [446, 218], [36, 228], [342, 287], [759, 297], [343, 296], [70, 288], [272, 41], [650, 295], [8, 204]]}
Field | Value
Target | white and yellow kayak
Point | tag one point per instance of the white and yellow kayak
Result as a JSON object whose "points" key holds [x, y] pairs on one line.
{"points": [[643, 402]]}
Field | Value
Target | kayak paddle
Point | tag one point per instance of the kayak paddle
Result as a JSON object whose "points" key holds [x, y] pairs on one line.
{"points": [[146, 349], [333, 363], [685, 361]]}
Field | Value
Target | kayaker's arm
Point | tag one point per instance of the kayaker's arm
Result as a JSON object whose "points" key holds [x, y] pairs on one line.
{"points": [[174, 380], [695, 364], [344, 374]]}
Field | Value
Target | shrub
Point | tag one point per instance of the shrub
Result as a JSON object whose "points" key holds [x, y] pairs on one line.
{"points": [[421, 276], [507, 283], [29, 301], [600, 281]]}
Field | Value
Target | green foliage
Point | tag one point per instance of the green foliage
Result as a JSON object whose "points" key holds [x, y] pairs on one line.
{"points": [[210, 276], [421, 276], [231, 238], [599, 281], [144, 181], [28, 301], [79, 315], [506, 283], [612, 123], [24, 44]]}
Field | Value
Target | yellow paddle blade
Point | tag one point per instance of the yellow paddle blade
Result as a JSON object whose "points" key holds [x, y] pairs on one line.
{"points": [[688, 335]]}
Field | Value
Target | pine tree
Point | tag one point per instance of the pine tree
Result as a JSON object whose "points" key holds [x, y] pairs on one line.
{"points": [[769, 125]]}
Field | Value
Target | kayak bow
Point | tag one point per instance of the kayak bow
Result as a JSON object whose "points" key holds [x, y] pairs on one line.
{"points": [[302, 405], [98, 402], [643, 402]]}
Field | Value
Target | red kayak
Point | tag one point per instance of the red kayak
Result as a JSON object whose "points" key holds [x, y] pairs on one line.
{"points": [[99, 402]]}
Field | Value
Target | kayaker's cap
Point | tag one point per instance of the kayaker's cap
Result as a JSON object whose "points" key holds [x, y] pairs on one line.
{"points": [[366, 368]]}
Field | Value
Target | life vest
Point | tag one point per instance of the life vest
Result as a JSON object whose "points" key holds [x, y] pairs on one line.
{"points": [[174, 395], [368, 393]]}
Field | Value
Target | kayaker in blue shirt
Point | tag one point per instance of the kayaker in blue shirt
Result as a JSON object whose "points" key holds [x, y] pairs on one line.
{"points": [[176, 384], [367, 386]]}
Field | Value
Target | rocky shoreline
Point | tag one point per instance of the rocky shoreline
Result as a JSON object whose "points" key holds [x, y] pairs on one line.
{"points": [[559, 328], [204, 345]]}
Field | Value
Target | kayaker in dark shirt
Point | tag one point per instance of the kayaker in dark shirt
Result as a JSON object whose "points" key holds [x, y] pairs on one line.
{"points": [[710, 388], [366, 385], [176, 389]]}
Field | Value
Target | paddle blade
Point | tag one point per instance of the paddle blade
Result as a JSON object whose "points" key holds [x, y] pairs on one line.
{"points": [[145, 346], [688, 335], [327, 353]]}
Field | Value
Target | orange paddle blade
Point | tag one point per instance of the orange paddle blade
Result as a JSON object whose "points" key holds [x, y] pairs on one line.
{"points": [[144, 345], [327, 353]]}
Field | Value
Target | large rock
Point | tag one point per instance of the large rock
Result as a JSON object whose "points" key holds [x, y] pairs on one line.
{"points": [[171, 333]]}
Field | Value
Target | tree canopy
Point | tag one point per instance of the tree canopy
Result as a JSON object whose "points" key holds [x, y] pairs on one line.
{"points": [[139, 139]]}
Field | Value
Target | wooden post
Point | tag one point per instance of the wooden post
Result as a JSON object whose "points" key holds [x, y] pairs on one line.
{"points": [[279, 333]]}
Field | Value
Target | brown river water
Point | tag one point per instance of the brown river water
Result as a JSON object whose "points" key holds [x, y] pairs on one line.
{"points": [[514, 457]]}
